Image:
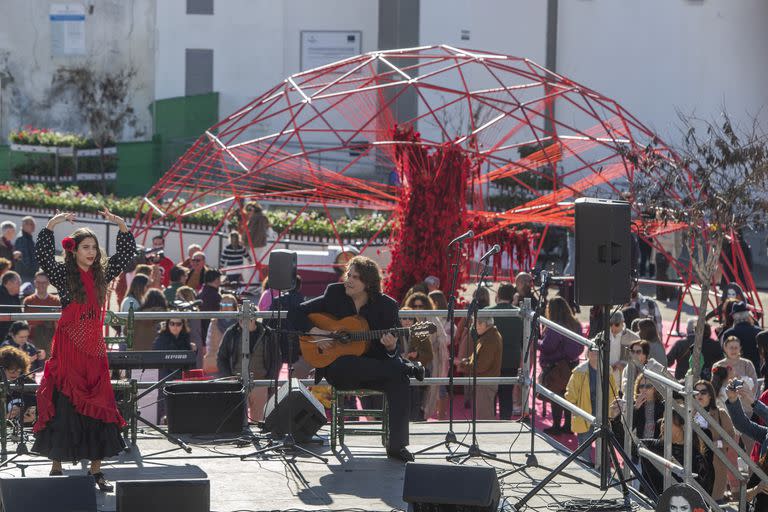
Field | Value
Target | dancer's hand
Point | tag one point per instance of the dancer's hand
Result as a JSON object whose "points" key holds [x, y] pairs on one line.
{"points": [[111, 217], [59, 218]]}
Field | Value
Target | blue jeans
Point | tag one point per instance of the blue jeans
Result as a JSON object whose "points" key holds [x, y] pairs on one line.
{"points": [[586, 455]]}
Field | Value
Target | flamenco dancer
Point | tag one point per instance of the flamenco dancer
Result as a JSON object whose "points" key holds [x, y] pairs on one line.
{"points": [[77, 413]]}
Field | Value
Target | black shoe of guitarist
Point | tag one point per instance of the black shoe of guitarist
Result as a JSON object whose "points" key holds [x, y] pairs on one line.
{"points": [[415, 370]]}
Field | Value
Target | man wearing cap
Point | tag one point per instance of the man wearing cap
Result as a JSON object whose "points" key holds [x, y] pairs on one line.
{"points": [[744, 328]]}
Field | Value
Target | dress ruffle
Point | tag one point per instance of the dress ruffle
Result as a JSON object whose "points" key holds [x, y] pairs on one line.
{"points": [[70, 436]]}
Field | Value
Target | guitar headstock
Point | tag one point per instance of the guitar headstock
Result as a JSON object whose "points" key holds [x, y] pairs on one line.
{"points": [[422, 329]]}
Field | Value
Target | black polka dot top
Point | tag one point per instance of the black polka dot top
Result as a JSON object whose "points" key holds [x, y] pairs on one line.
{"points": [[45, 252]]}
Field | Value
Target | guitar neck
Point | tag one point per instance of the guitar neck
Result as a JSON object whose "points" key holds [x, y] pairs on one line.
{"points": [[377, 334]]}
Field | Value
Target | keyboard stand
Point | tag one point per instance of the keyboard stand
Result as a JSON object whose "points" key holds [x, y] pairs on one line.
{"points": [[175, 440]]}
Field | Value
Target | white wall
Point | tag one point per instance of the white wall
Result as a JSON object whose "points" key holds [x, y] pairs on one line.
{"points": [[657, 57], [255, 43], [118, 35]]}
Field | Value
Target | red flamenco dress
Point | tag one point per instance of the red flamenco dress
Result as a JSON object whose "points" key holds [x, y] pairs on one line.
{"points": [[77, 412]]}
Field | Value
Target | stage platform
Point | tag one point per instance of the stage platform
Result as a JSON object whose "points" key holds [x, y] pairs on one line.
{"points": [[360, 477]]}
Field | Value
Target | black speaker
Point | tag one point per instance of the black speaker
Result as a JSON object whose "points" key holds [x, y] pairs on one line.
{"points": [[603, 252], [282, 270], [204, 407], [307, 414], [450, 488], [60, 493], [192, 495]]}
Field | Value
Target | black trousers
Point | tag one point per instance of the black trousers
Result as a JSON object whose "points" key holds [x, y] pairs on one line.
{"points": [[505, 395], [385, 375]]}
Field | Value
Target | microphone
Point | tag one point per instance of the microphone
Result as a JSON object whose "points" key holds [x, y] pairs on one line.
{"points": [[493, 250], [461, 238]]}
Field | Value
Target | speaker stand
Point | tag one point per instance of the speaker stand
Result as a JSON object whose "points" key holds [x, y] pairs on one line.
{"points": [[288, 444], [602, 432]]}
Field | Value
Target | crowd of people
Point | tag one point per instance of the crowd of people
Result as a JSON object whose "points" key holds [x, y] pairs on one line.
{"points": [[730, 384]]}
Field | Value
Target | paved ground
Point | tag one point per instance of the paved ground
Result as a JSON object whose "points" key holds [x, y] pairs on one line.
{"points": [[360, 478]]}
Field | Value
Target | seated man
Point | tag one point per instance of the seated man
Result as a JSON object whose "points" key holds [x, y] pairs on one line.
{"points": [[381, 368]]}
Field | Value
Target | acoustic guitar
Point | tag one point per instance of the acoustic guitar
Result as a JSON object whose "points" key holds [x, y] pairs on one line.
{"points": [[351, 337]]}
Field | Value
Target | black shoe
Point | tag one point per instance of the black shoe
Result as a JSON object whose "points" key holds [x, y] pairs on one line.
{"points": [[403, 455], [415, 370], [101, 482]]}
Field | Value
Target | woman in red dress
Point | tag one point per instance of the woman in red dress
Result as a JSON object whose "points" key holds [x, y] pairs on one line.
{"points": [[77, 412]]}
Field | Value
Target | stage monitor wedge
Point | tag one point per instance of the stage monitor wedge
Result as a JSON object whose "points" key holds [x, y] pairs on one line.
{"points": [[307, 414], [603, 252], [68, 493], [192, 495], [448, 487]]}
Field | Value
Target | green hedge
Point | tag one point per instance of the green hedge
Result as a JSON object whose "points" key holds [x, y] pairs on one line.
{"points": [[71, 198]]}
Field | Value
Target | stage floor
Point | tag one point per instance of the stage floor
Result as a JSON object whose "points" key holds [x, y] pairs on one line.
{"points": [[360, 477]]}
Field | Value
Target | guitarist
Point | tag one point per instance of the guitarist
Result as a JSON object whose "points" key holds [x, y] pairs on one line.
{"points": [[381, 368]]}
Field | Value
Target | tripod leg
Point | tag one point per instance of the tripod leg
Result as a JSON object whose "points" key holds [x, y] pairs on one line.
{"points": [[175, 440], [584, 446]]}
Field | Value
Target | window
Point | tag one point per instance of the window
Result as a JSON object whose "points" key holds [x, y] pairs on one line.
{"points": [[199, 72], [199, 6]]}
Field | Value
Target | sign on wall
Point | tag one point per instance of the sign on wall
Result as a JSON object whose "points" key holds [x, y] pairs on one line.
{"points": [[321, 47], [67, 29]]}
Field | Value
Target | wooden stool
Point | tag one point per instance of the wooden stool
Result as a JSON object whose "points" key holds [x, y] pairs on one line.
{"points": [[339, 428]]}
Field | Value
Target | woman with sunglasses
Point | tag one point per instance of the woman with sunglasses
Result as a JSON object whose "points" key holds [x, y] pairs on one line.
{"points": [[705, 395], [174, 335]]}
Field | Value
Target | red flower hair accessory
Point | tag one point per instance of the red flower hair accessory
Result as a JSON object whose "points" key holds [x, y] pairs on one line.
{"points": [[68, 243]]}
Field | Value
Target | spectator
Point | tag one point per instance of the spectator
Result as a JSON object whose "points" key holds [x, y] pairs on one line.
{"points": [[739, 368], [750, 430], [18, 405], [156, 277], [177, 277], [158, 257], [146, 330], [648, 410], [41, 302], [646, 308], [620, 340], [234, 255], [197, 269], [762, 348], [711, 352], [216, 330], [263, 361], [640, 352], [732, 291], [18, 337], [432, 283], [654, 477], [257, 229], [416, 349], [581, 391], [7, 251], [648, 332], [629, 314], [187, 295], [558, 356], [489, 353], [745, 329], [210, 296], [680, 353], [462, 330], [524, 290], [9, 298], [136, 292], [706, 398], [438, 367], [267, 296], [288, 304], [173, 335], [191, 250], [26, 265], [511, 330]]}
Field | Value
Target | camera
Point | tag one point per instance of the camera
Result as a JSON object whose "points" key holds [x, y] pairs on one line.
{"points": [[736, 384], [153, 255]]}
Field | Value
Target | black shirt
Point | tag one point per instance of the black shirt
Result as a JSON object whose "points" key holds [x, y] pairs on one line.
{"points": [[381, 312]]}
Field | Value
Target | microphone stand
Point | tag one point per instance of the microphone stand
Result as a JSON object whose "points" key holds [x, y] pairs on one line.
{"points": [[21, 447], [450, 436], [474, 449]]}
